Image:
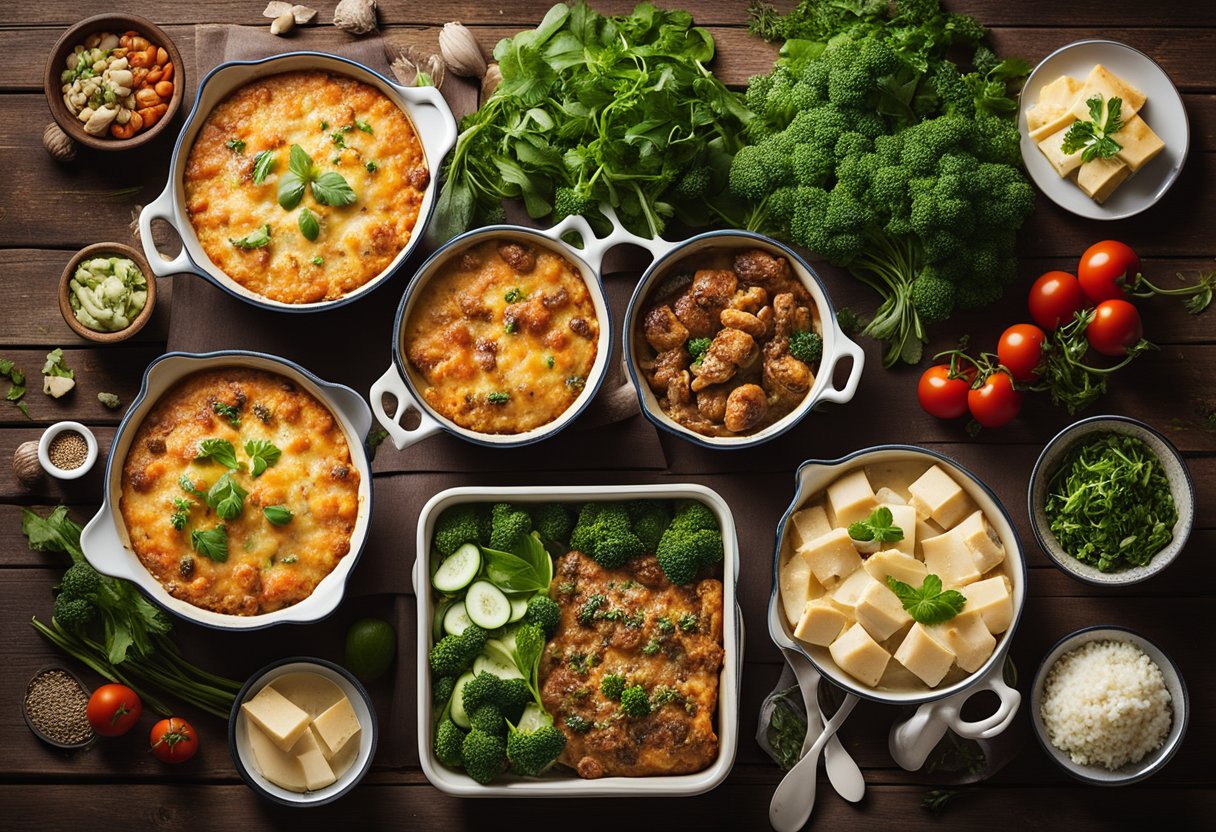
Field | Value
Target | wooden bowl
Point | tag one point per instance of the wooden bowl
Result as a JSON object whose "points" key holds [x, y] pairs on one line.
{"points": [[56, 63], [106, 250]]}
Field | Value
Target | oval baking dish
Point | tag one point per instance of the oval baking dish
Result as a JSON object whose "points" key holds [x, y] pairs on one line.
{"points": [[106, 542], [424, 107]]}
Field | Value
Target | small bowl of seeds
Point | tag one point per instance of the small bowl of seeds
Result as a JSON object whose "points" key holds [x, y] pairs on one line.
{"points": [[55, 708], [67, 450]]}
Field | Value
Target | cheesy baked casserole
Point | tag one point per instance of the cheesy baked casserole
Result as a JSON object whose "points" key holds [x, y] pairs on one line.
{"points": [[304, 186], [238, 492]]}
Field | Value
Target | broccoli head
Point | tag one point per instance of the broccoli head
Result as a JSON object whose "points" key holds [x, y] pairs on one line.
{"points": [[553, 522], [514, 696], [544, 612], [488, 718], [604, 532], [455, 527], [612, 685], [694, 184], [932, 296], [73, 613], [649, 527], [697, 347], [484, 755], [507, 525], [568, 202], [683, 553], [693, 516], [442, 688], [448, 741], [807, 347], [80, 581], [482, 689], [635, 701], [531, 752], [452, 654]]}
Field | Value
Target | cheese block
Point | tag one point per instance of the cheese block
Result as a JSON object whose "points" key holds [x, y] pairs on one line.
{"points": [[1100, 177], [832, 557], [899, 565], [277, 716], [979, 536], [891, 498], [859, 655], [993, 600], [1101, 81], [1051, 112], [278, 766], [924, 655], [904, 516], [317, 773], [794, 583], [821, 623], [948, 557], [1140, 144], [881, 612], [808, 524], [1053, 148], [336, 727], [937, 496], [967, 637], [850, 499], [927, 528], [848, 594]]}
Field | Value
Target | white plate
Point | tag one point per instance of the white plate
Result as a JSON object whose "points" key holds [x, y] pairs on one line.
{"points": [[1163, 110]]}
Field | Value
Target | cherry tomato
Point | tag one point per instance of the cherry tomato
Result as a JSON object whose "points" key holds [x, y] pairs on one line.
{"points": [[1105, 269], [1054, 299], [1115, 327], [113, 710], [174, 740], [1021, 351], [940, 395], [995, 402]]}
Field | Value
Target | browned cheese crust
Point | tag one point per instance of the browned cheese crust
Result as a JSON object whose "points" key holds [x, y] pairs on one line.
{"points": [[678, 736], [269, 566]]}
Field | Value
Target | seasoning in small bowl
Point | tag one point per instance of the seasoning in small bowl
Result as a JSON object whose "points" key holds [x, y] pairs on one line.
{"points": [[107, 292], [67, 450], [55, 709]]}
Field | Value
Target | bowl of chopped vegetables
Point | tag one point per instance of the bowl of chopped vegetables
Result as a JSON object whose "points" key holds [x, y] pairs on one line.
{"points": [[1111, 501], [107, 292]]}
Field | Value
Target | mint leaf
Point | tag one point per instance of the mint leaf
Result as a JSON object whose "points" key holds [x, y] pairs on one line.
{"points": [[330, 188], [310, 226], [212, 544], [928, 605], [878, 526], [279, 515], [220, 450], [262, 454], [263, 164], [254, 239], [227, 497]]}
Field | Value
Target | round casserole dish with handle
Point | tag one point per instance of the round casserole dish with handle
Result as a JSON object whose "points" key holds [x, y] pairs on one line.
{"points": [[424, 106], [106, 543]]}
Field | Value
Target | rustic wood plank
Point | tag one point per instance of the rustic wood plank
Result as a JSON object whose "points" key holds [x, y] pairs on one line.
{"points": [[115, 370]]}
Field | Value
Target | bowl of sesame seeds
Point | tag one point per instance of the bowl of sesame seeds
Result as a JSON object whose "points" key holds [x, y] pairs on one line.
{"points": [[55, 708], [67, 450]]}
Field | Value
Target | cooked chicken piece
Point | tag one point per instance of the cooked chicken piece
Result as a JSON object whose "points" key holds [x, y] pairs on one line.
{"points": [[667, 365], [698, 322], [746, 321], [519, 257], [471, 305], [663, 329], [786, 378], [711, 403], [789, 316], [678, 391], [730, 351], [714, 288], [759, 268], [530, 314], [746, 407], [486, 354], [750, 299]]}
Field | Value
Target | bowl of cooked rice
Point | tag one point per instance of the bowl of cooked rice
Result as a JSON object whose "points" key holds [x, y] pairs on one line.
{"points": [[1109, 706]]}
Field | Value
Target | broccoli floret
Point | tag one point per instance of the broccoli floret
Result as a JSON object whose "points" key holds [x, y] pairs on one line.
{"points": [[488, 718], [553, 522], [569, 202], [604, 531], [649, 527], [759, 168], [531, 752], [448, 741], [692, 516], [442, 689], [612, 686], [807, 347], [514, 695], [692, 185], [484, 755], [588, 611], [932, 296], [614, 552], [507, 525], [544, 612], [455, 527], [682, 555], [72, 612], [80, 581], [697, 347], [482, 689], [452, 653], [635, 701]]}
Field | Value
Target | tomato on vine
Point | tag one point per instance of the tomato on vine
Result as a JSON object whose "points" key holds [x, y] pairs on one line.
{"points": [[942, 394], [1021, 351], [1108, 270], [1115, 328], [1054, 299], [995, 402], [173, 740]]}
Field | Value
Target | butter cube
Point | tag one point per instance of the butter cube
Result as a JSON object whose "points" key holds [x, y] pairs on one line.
{"points": [[1053, 148], [1100, 177], [948, 557], [899, 565], [967, 637], [1055, 100], [937, 496], [317, 773], [850, 499], [848, 594], [277, 716], [979, 536], [794, 584], [1101, 81], [1140, 144], [832, 557], [992, 599], [859, 655], [821, 623], [337, 726], [881, 612], [924, 656], [276, 765], [808, 524]]}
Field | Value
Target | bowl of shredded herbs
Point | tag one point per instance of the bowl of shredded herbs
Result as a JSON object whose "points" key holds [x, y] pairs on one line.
{"points": [[1111, 501]]}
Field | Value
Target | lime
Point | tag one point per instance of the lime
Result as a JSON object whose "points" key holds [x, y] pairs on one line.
{"points": [[371, 645]]}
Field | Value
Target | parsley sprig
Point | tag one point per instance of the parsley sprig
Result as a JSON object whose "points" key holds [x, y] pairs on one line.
{"points": [[879, 526], [1094, 137], [929, 604]]}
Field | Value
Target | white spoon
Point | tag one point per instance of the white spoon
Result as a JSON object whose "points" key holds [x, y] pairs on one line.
{"points": [[795, 796], [843, 772]]}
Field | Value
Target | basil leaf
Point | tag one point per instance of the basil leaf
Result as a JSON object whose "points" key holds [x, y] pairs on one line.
{"points": [[291, 189], [212, 544], [263, 164], [330, 188], [227, 497], [928, 605], [880, 526], [512, 573], [279, 515], [300, 163], [310, 226], [220, 450], [255, 239], [262, 454]]}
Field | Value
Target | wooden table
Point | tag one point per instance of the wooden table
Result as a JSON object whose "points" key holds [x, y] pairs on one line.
{"points": [[48, 211]]}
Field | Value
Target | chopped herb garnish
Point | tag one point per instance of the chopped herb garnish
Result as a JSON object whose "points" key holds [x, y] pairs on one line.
{"points": [[310, 226], [181, 512], [510, 326], [212, 544], [1094, 138], [514, 295], [578, 724], [565, 587], [220, 450], [187, 485], [338, 139], [879, 526], [664, 624], [929, 604], [235, 145], [279, 515], [324, 126], [254, 239], [549, 362], [262, 454], [498, 397], [372, 167], [363, 125], [230, 412], [651, 647], [289, 559], [576, 382], [263, 164], [318, 261], [689, 622], [227, 498], [586, 614], [697, 347]]}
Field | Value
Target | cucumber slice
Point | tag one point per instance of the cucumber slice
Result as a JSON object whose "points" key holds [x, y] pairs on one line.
{"points": [[459, 570], [496, 661], [456, 620], [519, 606], [533, 717], [441, 612], [486, 606], [457, 711]]}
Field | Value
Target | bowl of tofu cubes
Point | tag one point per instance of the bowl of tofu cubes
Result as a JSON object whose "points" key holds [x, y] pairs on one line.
{"points": [[899, 574], [302, 732], [1104, 131]]}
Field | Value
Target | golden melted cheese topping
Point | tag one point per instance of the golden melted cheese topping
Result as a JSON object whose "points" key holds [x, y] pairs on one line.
{"points": [[268, 566], [503, 337], [344, 125]]}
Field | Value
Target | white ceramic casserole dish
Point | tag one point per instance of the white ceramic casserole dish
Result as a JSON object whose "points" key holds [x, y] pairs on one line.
{"points": [[565, 783], [424, 106], [107, 545]]}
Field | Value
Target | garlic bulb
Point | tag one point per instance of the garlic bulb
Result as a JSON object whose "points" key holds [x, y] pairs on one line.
{"points": [[460, 51], [26, 467], [58, 143], [358, 17], [412, 63]]}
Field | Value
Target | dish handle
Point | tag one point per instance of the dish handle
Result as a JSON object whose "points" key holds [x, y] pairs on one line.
{"points": [[392, 383], [594, 248], [102, 546], [352, 406], [846, 348], [161, 208], [437, 129], [912, 740]]}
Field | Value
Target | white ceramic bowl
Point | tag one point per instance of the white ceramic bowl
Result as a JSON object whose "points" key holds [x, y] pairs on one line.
{"points": [[1179, 703], [107, 545], [424, 106], [44, 447], [242, 754], [1048, 464], [1163, 110], [564, 783]]}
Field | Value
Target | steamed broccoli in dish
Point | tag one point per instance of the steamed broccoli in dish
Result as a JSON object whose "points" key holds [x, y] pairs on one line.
{"points": [[604, 532], [483, 755], [691, 543], [507, 525], [452, 654], [544, 612], [650, 525], [534, 743], [635, 701], [553, 522], [456, 526], [448, 741]]}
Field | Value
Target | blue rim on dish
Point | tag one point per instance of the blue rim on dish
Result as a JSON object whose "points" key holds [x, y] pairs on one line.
{"points": [[1075, 769], [143, 394], [1182, 526], [243, 694], [868, 693], [416, 283], [643, 289]]}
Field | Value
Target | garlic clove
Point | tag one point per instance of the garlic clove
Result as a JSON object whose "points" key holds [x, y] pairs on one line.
{"points": [[283, 24], [57, 386], [490, 81], [276, 9], [461, 51]]}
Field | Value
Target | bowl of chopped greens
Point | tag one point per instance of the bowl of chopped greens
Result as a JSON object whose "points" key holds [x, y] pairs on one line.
{"points": [[1111, 501]]}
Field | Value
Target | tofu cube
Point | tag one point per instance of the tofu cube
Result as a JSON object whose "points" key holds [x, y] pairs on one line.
{"points": [[808, 524], [979, 536], [948, 557], [1140, 144], [1100, 177], [924, 656], [335, 727], [938, 497], [278, 717], [1055, 100], [832, 557], [899, 565], [850, 499], [904, 516], [992, 599], [1101, 81], [821, 623], [967, 637], [1053, 148], [891, 498], [848, 594], [794, 584], [278, 766], [881, 612], [859, 655], [317, 772]]}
